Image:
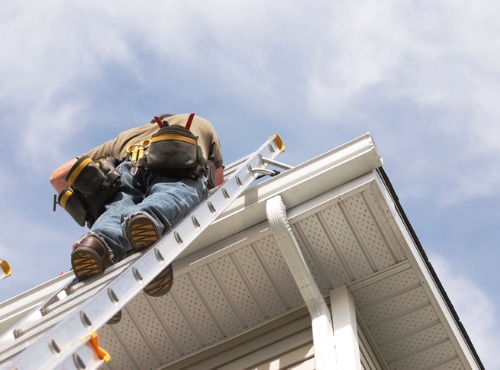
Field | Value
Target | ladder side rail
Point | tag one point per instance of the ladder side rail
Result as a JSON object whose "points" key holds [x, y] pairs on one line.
{"points": [[66, 293], [33, 331], [28, 328], [51, 311], [234, 166], [87, 288], [89, 355], [52, 348], [28, 312]]}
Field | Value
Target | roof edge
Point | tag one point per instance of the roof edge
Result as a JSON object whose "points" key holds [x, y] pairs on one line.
{"points": [[385, 178]]}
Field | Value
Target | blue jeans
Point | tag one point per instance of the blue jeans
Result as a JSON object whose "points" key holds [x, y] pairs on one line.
{"points": [[167, 200]]}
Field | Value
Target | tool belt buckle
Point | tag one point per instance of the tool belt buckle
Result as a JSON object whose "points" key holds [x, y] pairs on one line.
{"points": [[136, 152]]}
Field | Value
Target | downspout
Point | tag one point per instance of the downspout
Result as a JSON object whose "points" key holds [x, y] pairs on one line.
{"points": [[321, 322]]}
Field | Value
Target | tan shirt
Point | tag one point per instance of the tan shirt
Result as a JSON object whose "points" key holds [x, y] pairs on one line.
{"points": [[207, 139]]}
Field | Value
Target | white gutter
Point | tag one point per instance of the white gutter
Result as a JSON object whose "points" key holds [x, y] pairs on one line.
{"points": [[321, 322]]}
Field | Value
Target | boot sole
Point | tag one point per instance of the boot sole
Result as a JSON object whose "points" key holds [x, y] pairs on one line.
{"points": [[142, 233], [86, 263], [161, 284], [115, 319]]}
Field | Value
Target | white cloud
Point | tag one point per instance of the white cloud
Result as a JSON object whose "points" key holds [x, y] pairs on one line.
{"points": [[57, 51], [431, 53], [439, 58], [476, 311], [359, 46], [50, 53]]}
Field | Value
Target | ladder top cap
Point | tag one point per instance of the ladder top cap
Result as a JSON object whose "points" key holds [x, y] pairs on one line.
{"points": [[4, 265], [279, 142]]}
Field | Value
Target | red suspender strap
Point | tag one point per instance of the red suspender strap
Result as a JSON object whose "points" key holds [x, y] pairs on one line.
{"points": [[190, 119], [159, 121]]}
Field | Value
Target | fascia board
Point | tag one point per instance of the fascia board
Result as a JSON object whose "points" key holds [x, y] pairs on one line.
{"points": [[421, 268]]}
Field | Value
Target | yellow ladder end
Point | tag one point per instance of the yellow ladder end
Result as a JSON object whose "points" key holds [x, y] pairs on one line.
{"points": [[4, 265]]}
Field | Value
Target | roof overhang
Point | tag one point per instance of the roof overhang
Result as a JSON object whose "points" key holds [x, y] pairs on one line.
{"points": [[398, 295], [352, 232]]}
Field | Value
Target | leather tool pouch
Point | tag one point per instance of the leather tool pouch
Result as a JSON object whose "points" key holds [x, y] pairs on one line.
{"points": [[89, 177], [83, 208], [93, 185], [174, 152], [73, 203]]}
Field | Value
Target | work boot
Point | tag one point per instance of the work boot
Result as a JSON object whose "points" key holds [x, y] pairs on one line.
{"points": [[89, 258], [116, 318], [161, 284], [143, 233]]}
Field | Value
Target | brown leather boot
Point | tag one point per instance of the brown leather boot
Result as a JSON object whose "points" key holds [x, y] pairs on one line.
{"points": [[143, 233], [161, 284], [89, 258], [115, 319]]}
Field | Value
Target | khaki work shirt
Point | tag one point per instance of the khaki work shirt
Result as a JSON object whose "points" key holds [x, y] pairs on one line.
{"points": [[200, 127]]}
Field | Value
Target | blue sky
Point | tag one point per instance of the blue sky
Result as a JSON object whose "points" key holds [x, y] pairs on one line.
{"points": [[422, 77]]}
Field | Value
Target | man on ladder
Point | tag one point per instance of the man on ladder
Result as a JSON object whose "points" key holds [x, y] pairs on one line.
{"points": [[133, 189]]}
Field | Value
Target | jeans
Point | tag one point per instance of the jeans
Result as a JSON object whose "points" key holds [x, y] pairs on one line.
{"points": [[167, 200]]}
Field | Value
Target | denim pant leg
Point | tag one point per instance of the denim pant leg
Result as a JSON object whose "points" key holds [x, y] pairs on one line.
{"points": [[167, 200], [108, 226]]}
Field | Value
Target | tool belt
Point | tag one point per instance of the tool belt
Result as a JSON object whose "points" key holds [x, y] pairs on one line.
{"points": [[172, 151], [93, 185]]}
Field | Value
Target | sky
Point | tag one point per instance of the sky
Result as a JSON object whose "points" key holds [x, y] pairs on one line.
{"points": [[422, 77]]}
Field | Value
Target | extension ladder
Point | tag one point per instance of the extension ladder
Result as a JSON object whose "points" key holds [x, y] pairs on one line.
{"points": [[62, 331]]}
